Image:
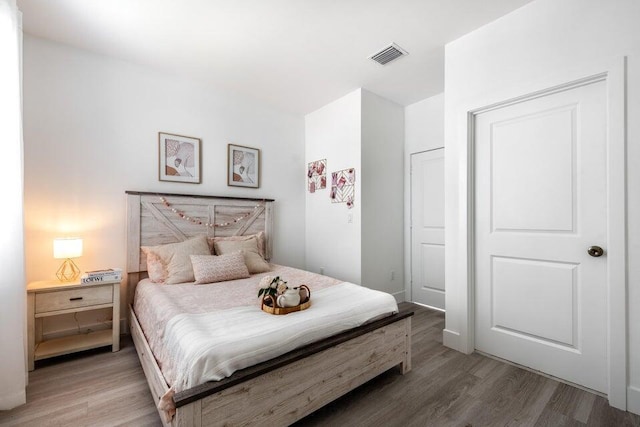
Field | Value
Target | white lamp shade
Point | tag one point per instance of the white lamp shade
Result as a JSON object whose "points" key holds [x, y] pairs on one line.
{"points": [[67, 248]]}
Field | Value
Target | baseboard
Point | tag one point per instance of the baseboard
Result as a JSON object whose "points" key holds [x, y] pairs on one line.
{"points": [[10, 401], [442, 310], [399, 296], [633, 399], [452, 340]]}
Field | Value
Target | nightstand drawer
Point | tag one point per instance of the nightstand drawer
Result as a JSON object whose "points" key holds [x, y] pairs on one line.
{"points": [[73, 298]]}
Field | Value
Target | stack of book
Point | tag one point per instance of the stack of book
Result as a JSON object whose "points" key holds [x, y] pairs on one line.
{"points": [[108, 275]]}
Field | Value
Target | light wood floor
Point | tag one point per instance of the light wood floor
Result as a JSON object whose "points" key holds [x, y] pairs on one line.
{"points": [[445, 388]]}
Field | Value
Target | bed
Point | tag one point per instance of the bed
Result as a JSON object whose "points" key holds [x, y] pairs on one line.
{"points": [[277, 391]]}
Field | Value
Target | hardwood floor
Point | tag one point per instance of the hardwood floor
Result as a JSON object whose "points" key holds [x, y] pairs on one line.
{"points": [[94, 388], [445, 388]]}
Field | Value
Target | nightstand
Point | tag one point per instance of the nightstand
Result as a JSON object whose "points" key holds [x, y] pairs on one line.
{"points": [[51, 298]]}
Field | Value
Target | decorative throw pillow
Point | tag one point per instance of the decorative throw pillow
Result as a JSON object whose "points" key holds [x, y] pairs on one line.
{"points": [[255, 263], [211, 268], [260, 239], [175, 256], [156, 269]]}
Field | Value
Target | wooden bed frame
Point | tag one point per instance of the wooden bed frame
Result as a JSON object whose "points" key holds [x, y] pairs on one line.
{"points": [[279, 391]]}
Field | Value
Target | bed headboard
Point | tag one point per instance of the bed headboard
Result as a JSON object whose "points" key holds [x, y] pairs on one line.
{"points": [[160, 218]]}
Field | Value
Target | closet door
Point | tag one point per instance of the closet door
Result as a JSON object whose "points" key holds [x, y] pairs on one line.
{"points": [[427, 228]]}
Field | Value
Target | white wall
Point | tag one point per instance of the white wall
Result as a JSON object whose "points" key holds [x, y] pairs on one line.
{"points": [[12, 288], [382, 198], [366, 132], [91, 132], [423, 131], [332, 243], [424, 125], [538, 46]]}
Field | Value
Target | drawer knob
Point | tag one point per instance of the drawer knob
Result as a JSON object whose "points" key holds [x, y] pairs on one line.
{"points": [[75, 299]]}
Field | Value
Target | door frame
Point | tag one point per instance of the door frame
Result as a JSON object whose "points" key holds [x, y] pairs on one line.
{"points": [[410, 293], [460, 325]]}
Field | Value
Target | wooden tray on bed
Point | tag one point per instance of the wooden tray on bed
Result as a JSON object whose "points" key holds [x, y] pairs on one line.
{"points": [[269, 304]]}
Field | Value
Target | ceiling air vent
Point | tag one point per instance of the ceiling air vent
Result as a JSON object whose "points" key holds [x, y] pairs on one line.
{"points": [[388, 54]]}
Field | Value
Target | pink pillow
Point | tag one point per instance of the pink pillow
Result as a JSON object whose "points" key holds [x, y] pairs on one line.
{"points": [[156, 269], [211, 268]]}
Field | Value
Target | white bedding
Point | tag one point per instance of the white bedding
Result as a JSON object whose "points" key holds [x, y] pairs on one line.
{"points": [[211, 346]]}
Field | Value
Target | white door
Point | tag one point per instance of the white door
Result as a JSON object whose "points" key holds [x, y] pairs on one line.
{"points": [[427, 228], [541, 299]]}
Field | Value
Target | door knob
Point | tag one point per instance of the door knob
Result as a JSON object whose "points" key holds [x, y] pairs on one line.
{"points": [[595, 251]]}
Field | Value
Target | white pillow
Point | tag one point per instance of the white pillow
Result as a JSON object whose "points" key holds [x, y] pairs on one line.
{"points": [[255, 262], [260, 239], [175, 256]]}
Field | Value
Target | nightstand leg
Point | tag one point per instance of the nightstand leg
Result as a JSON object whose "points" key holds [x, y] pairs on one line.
{"points": [[31, 331], [115, 323]]}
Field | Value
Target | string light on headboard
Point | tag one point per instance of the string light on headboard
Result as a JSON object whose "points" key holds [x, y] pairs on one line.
{"points": [[186, 217]]}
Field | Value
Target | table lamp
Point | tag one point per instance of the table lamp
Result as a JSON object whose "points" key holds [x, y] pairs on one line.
{"points": [[67, 248]]}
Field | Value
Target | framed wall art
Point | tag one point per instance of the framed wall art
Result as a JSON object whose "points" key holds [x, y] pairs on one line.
{"points": [[243, 166], [179, 158], [343, 187], [317, 175]]}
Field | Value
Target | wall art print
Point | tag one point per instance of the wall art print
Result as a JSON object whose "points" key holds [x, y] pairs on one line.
{"points": [[243, 166], [343, 188], [317, 175], [179, 158]]}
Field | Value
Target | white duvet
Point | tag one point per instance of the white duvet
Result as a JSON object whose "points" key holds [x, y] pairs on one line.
{"points": [[211, 346]]}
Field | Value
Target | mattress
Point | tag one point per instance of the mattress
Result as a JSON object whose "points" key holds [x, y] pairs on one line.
{"points": [[201, 333]]}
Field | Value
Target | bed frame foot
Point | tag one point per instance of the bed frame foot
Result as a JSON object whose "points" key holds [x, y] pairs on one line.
{"points": [[405, 366]]}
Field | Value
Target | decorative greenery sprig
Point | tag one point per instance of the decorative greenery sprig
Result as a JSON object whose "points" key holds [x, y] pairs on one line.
{"points": [[272, 286]]}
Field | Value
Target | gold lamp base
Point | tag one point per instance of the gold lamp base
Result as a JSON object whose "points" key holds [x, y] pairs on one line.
{"points": [[68, 271]]}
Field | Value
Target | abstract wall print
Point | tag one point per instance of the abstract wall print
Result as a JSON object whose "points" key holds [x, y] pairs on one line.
{"points": [[243, 166], [343, 187], [179, 158], [317, 175]]}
